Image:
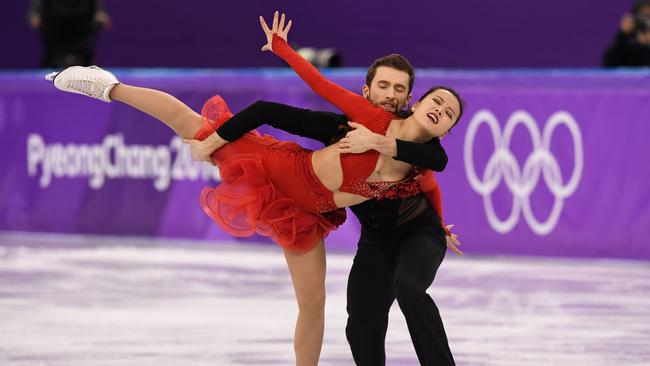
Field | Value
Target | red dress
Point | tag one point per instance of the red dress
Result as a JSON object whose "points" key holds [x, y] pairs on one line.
{"points": [[269, 186]]}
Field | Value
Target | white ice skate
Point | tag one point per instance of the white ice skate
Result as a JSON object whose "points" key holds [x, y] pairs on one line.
{"points": [[92, 81]]}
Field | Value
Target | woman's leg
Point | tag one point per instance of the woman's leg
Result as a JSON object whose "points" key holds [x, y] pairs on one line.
{"points": [[162, 106], [308, 277]]}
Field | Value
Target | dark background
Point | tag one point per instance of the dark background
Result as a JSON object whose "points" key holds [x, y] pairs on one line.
{"points": [[447, 34]]}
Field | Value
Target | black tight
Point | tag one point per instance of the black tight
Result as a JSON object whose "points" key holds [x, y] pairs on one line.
{"points": [[399, 266]]}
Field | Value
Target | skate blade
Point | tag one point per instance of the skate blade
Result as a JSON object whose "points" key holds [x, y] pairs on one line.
{"points": [[51, 76]]}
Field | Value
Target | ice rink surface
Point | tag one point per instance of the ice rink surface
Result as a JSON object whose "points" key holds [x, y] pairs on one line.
{"points": [[71, 300]]}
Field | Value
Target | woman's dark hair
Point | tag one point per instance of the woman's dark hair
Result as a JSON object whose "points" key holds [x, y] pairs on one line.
{"points": [[454, 93]]}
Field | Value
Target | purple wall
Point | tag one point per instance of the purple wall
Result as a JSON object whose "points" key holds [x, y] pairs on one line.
{"points": [[516, 182], [450, 34]]}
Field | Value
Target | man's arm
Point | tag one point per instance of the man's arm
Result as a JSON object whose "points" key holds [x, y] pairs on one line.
{"points": [[430, 155], [321, 126], [326, 127]]}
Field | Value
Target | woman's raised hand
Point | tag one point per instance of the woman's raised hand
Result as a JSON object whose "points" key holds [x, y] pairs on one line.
{"points": [[278, 28]]}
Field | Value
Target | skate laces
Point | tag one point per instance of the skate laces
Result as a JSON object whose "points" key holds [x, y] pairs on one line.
{"points": [[91, 86], [92, 82]]}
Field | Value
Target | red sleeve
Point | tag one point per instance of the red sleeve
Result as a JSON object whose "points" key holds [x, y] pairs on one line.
{"points": [[353, 105], [431, 189]]}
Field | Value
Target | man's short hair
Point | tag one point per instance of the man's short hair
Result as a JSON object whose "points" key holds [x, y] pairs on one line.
{"points": [[394, 61]]}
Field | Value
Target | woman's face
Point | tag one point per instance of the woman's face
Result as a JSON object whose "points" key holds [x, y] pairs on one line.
{"points": [[437, 112]]}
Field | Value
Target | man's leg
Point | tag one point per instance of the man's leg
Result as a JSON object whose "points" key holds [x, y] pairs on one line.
{"points": [[421, 253], [370, 296]]}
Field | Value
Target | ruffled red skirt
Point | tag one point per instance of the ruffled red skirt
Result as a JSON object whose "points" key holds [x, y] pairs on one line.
{"points": [[268, 187]]}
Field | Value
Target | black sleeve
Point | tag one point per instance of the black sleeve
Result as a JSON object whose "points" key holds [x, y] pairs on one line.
{"points": [[430, 155], [325, 127], [321, 126]]}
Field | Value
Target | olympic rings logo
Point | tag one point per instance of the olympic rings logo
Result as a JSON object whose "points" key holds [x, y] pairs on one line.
{"points": [[502, 164]]}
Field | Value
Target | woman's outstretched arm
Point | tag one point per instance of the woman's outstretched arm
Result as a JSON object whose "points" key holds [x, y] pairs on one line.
{"points": [[353, 105]]}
